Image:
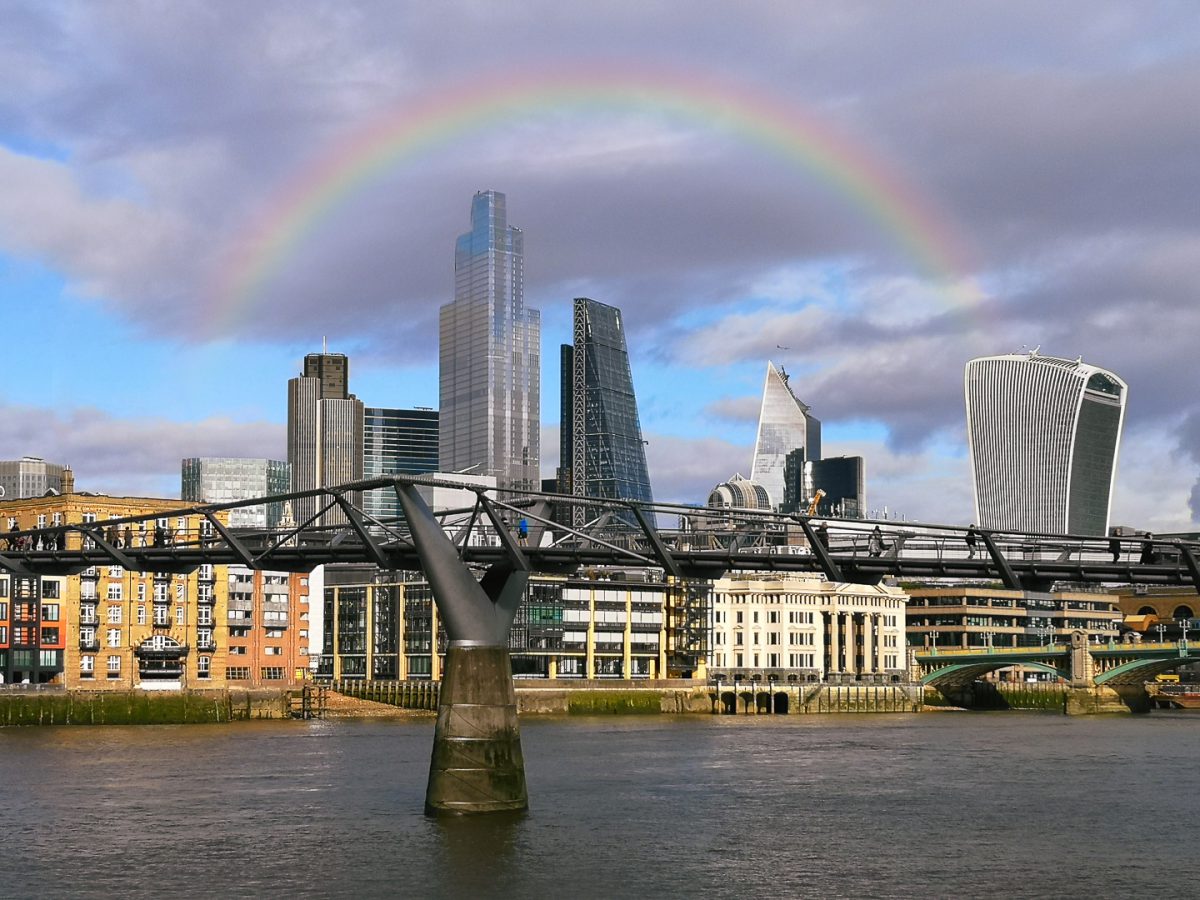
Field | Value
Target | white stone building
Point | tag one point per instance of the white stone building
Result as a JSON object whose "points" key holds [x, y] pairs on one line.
{"points": [[799, 627]]}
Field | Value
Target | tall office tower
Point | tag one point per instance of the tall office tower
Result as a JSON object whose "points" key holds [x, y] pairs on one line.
{"points": [[1043, 436], [207, 479], [784, 425], [325, 432], [490, 391], [396, 442], [600, 434], [30, 476]]}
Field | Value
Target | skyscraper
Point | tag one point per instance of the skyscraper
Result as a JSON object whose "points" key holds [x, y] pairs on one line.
{"points": [[325, 432], [490, 394], [396, 442], [784, 425], [600, 438], [1043, 436]]}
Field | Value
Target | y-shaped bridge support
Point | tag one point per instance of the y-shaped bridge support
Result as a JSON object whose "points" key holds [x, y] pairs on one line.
{"points": [[477, 765]]}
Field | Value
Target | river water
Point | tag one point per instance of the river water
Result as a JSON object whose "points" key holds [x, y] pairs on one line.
{"points": [[932, 805]]}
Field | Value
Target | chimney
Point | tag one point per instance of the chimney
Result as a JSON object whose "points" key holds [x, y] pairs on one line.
{"points": [[68, 481]]}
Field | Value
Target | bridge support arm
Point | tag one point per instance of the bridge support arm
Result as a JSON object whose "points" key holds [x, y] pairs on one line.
{"points": [[1007, 574]]}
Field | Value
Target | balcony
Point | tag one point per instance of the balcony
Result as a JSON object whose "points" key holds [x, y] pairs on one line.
{"points": [[90, 644], [206, 646]]}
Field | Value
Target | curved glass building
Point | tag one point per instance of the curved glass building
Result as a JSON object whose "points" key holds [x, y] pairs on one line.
{"points": [[1043, 435], [784, 425]]}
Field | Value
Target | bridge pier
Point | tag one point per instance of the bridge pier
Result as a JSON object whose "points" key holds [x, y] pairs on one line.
{"points": [[1102, 699], [477, 765]]}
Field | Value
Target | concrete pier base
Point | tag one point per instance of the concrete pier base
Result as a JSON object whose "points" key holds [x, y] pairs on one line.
{"points": [[477, 765]]}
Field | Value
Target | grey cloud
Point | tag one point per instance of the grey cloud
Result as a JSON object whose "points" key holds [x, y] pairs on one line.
{"points": [[735, 409], [124, 456]]}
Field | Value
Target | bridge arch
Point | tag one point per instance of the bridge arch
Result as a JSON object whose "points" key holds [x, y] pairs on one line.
{"points": [[1137, 671], [967, 672], [1183, 612]]}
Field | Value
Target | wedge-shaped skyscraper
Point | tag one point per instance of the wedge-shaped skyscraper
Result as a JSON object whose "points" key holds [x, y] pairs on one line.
{"points": [[784, 425], [600, 442], [1043, 436]]}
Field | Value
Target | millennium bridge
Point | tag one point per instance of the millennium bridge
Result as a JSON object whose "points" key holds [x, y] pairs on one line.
{"points": [[478, 557]]}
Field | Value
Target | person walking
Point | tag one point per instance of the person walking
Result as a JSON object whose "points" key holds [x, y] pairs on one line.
{"points": [[875, 542], [972, 538], [523, 531], [1147, 557]]}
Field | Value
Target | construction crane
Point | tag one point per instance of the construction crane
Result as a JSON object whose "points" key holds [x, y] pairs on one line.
{"points": [[816, 501]]}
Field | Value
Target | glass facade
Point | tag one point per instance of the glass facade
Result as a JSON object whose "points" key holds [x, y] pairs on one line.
{"points": [[207, 479], [1043, 435], [490, 347], [396, 442], [602, 441], [783, 426]]}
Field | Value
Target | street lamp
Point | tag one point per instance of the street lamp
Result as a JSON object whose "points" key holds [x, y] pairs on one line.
{"points": [[1161, 628], [1184, 628], [934, 635]]}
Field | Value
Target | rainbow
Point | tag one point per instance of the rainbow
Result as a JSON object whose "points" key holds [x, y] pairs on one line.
{"points": [[847, 168]]}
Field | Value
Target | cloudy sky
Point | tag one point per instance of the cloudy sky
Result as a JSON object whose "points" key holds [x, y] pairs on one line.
{"points": [[193, 195]]}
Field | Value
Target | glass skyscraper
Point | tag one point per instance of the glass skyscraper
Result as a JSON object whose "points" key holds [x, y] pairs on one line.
{"points": [[396, 442], [490, 344], [784, 425], [600, 439], [1043, 434], [208, 479]]}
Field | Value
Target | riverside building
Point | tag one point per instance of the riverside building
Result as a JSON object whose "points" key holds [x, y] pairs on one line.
{"points": [[1043, 435], [799, 627], [107, 628], [965, 616], [490, 350], [618, 624]]}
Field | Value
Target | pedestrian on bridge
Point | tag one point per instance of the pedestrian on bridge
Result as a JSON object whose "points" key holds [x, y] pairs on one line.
{"points": [[1147, 558], [875, 542], [971, 539]]}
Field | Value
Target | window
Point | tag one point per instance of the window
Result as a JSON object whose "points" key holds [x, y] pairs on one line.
{"points": [[114, 615], [114, 638], [49, 635], [49, 612], [114, 591], [204, 615], [87, 635], [141, 615], [237, 673], [179, 615], [114, 571], [50, 590], [204, 667], [272, 673], [141, 593], [3, 634], [274, 632], [272, 651], [87, 665], [237, 651], [3, 610], [114, 664], [162, 615]]}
